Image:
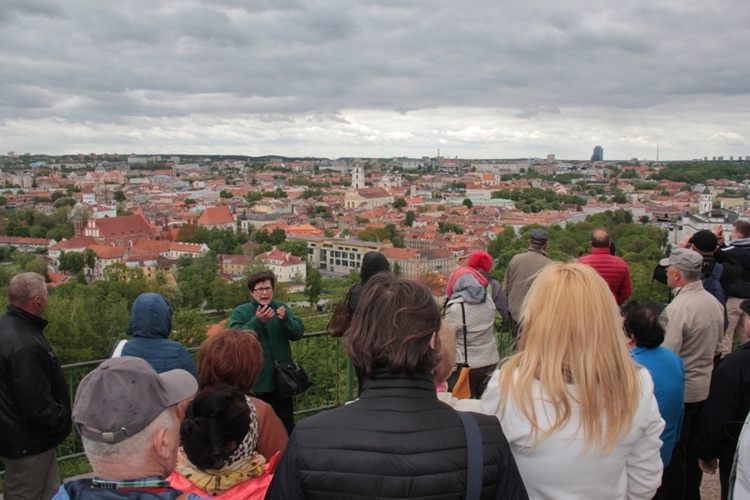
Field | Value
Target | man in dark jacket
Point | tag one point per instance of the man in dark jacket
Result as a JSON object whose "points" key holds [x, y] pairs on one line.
{"points": [[34, 401], [150, 326], [397, 440], [372, 264], [724, 412], [613, 269], [739, 250]]}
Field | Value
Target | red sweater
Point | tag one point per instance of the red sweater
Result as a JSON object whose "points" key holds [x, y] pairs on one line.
{"points": [[613, 269]]}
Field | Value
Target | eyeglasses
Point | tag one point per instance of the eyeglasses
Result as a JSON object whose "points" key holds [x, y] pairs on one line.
{"points": [[263, 290]]}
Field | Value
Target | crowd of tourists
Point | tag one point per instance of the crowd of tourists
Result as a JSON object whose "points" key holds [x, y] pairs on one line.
{"points": [[598, 397]]}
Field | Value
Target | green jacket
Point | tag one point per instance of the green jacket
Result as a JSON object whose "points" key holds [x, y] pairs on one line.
{"points": [[278, 332]]}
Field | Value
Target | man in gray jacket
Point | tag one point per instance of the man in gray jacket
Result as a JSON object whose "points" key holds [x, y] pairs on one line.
{"points": [[695, 326], [521, 273]]}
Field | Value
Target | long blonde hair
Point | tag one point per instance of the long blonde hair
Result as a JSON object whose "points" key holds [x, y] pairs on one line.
{"points": [[572, 344]]}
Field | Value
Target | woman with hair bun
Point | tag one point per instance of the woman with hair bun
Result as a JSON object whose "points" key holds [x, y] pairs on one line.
{"points": [[218, 456]]}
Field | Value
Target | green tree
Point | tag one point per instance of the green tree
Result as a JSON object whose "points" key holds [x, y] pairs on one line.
{"points": [[89, 258], [277, 236], [219, 295], [371, 233], [38, 265], [72, 262], [399, 203], [64, 202], [409, 218], [119, 196], [295, 247], [313, 285], [449, 227], [189, 327], [467, 203]]}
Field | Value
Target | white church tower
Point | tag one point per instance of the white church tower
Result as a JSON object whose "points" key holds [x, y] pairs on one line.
{"points": [[358, 177], [706, 201]]}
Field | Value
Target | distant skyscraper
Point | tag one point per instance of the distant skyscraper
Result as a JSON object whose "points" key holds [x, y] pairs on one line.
{"points": [[598, 154]]}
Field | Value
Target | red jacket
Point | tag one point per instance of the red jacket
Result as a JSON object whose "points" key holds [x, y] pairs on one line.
{"points": [[613, 269]]}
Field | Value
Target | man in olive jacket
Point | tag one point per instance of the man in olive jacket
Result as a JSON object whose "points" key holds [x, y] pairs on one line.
{"points": [[34, 401]]}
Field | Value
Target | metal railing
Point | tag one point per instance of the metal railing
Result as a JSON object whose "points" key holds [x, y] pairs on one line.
{"points": [[321, 355]]}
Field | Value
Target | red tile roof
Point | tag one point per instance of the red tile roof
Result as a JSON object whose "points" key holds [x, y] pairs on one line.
{"points": [[124, 225], [108, 251], [216, 215], [75, 242]]}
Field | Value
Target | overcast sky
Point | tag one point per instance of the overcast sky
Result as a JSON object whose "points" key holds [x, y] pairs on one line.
{"points": [[472, 79]]}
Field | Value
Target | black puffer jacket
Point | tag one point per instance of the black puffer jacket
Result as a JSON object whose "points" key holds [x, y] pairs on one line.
{"points": [[34, 400], [396, 441]]}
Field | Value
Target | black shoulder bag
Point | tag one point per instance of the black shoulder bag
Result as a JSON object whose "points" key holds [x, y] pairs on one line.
{"points": [[291, 378]]}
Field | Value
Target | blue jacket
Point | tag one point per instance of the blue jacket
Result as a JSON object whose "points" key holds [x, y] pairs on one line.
{"points": [[150, 326], [81, 489], [668, 373]]}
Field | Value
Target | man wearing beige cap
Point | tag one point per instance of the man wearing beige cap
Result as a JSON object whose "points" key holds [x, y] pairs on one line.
{"points": [[521, 273], [695, 325], [127, 416]]}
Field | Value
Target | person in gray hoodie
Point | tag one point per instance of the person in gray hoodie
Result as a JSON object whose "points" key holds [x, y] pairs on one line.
{"points": [[150, 326]]}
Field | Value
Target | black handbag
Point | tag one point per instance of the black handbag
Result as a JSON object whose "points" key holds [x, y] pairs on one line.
{"points": [[291, 378]]}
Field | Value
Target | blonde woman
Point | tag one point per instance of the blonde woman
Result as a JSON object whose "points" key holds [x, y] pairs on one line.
{"points": [[579, 413]]}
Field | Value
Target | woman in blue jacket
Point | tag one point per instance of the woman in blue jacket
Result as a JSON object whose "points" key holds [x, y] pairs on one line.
{"points": [[150, 326]]}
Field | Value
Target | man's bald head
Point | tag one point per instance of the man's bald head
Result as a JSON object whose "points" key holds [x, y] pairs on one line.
{"points": [[600, 238]]}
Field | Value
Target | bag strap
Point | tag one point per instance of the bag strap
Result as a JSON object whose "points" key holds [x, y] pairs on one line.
{"points": [[270, 348], [475, 461], [118, 349], [466, 350]]}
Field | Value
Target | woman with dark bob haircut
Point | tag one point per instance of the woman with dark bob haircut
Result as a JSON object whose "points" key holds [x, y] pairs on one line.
{"points": [[397, 432], [644, 331], [275, 325], [218, 456], [235, 358]]}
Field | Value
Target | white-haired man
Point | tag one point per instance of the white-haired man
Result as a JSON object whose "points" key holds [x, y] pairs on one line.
{"points": [[34, 401], [127, 416], [695, 327]]}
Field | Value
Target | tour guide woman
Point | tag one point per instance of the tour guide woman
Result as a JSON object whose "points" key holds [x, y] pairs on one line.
{"points": [[276, 325]]}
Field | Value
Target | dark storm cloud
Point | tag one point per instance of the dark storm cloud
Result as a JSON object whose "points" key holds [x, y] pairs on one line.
{"points": [[280, 61]]}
